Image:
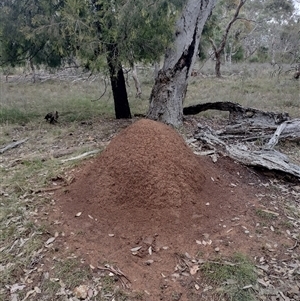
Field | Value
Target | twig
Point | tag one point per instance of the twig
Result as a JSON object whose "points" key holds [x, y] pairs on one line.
{"points": [[81, 156], [105, 88], [116, 271], [294, 246]]}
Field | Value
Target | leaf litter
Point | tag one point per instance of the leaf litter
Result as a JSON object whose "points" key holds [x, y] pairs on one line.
{"points": [[277, 265]]}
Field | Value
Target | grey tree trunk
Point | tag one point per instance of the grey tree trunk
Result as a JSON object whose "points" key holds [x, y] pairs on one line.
{"points": [[168, 93]]}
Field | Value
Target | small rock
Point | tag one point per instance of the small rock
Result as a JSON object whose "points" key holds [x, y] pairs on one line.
{"points": [[148, 262], [217, 249]]}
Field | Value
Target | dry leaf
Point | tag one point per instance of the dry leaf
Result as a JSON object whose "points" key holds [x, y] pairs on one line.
{"points": [[194, 269], [50, 240], [37, 290]]}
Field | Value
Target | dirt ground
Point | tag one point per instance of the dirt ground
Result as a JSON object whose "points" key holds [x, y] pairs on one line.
{"points": [[147, 202], [144, 215]]}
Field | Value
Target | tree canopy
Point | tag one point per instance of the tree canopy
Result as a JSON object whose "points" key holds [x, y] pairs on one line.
{"points": [[54, 32]]}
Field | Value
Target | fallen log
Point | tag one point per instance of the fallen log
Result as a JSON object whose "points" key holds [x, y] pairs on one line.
{"points": [[272, 160], [238, 113], [288, 130], [251, 155]]}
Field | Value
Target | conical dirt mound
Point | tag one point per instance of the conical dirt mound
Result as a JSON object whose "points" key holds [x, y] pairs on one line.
{"points": [[148, 190], [147, 166]]}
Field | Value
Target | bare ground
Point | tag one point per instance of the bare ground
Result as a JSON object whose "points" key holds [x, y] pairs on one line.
{"points": [[152, 239]]}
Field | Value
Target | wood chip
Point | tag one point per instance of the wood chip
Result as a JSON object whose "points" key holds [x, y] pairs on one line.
{"points": [[135, 249]]}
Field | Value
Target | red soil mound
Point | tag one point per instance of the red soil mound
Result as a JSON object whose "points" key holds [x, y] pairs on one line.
{"points": [[148, 189], [147, 166]]}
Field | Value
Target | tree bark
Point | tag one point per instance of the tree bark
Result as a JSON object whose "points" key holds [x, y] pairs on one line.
{"points": [[122, 109], [168, 93], [136, 81]]}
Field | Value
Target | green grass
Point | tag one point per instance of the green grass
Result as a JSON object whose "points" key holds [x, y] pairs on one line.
{"points": [[248, 84], [72, 272], [231, 278], [251, 85], [265, 215]]}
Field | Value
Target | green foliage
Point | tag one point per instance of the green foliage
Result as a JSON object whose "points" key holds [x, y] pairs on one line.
{"points": [[76, 273], [238, 54], [31, 33], [58, 32]]}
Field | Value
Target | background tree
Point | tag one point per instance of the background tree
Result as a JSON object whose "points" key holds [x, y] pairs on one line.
{"points": [[262, 43], [25, 30], [96, 34], [219, 47], [168, 93]]}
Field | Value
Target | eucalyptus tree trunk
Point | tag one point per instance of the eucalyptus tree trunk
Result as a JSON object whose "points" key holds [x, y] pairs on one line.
{"points": [[168, 93]]}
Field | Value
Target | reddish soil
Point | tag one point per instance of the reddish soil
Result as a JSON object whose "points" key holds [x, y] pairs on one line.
{"points": [[148, 190]]}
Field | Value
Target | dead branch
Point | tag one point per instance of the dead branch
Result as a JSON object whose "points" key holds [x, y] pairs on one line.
{"points": [[12, 145], [82, 155], [239, 114], [274, 140], [103, 93], [249, 153]]}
